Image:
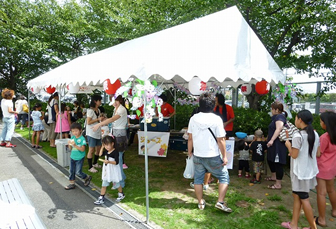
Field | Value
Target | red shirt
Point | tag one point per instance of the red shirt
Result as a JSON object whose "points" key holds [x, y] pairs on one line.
{"points": [[166, 109], [229, 115]]}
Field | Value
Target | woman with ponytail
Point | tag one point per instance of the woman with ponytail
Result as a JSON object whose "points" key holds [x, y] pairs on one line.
{"points": [[303, 167], [326, 162]]}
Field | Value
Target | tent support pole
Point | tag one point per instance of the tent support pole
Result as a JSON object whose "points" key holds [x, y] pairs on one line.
{"points": [[318, 99], [28, 114], [146, 160], [234, 97]]}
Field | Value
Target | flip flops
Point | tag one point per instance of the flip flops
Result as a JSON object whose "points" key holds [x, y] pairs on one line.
{"points": [[269, 179], [273, 187], [319, 224], [286, 225]]}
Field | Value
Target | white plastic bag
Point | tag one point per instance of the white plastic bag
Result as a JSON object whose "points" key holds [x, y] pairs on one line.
{"points": [[189, 170]]}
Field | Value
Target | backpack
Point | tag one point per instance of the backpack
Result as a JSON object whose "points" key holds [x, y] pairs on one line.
{"points": [[53, 112], [46, 117]]}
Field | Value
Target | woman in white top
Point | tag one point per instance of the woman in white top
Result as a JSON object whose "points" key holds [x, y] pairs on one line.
{"points": [[22, 115], [120, 123], [8, 118], [52, 111], [93, 136]]}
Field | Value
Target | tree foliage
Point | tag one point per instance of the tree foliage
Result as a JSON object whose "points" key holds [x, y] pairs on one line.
{"points": [[36, 36]]}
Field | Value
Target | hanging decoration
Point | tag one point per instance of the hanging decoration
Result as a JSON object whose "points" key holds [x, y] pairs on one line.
{"points": [[73, 89], [285, 93], [35, 90], [50, 90], [246, 89], [197, 86], [262, 87], [110, 88]]}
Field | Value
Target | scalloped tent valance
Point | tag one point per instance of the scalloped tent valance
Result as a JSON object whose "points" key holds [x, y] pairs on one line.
{"points": [[218, 47]]}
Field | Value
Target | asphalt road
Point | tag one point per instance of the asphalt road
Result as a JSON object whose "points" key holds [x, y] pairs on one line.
{"points": [[43, 180]]}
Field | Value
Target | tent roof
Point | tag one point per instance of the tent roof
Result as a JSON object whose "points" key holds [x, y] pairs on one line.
{"points": [[218, 47]]}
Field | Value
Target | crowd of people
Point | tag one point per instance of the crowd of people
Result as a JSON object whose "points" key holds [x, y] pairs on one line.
{"points": [[312, 157]]}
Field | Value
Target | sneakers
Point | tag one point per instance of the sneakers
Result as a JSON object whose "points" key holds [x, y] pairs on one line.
{"points": [[99, 201], [239, 175], [205, 186], [21, 128], [120, 196], [125, 166], [223, 207], [93, 170], [87, 180], [247, 176], [255, 181], [10, 145], [2, 143], [97, 166]]}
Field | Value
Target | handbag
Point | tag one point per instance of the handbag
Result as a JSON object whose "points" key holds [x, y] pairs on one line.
{"points": [[25, 108], [189, 169], [121, 143], [290, 128]]}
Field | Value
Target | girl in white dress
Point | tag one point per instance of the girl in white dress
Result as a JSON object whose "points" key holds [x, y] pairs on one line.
{"points": [[111, 170], [303, 149]]}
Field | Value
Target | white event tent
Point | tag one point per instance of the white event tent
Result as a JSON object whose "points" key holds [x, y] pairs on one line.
{"points": [[220, 47]]}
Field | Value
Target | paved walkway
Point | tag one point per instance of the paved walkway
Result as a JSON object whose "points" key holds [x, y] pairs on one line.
{"points": [[43, 180]]}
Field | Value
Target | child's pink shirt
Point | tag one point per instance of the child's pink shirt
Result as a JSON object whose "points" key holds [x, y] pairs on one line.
{"points": [[327, 161]]}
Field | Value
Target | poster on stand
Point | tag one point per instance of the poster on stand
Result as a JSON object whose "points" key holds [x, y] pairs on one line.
{"points": [[230, 153], [157, 143]]}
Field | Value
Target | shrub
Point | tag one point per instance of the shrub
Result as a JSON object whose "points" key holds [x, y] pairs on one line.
{"points": [[248, 120]]}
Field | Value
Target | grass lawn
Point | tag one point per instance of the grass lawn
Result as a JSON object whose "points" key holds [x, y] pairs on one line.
{"points": [[173, 203]]}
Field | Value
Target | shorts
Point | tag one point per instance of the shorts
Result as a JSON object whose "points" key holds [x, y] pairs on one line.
{"points": [[38, 127], [302, 195], [93, 142], [257, 166], [115, 184], [213, 165], [52, 134]]}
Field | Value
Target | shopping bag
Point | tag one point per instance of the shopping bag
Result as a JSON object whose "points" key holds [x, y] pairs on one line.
{"points": [[189, 170], [25, 108]]}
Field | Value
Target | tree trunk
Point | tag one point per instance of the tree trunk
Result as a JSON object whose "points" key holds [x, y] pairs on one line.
{"points": [[253, 99]]}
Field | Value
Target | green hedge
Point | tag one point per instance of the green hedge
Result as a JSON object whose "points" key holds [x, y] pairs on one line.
{"points": [[246, 120]]}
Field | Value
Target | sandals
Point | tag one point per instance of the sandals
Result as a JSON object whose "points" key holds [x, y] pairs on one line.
{"points": [[70, 186], [319, 224], [273, 187], [201, 206], [38, 147], [286, 225], [269, 179]]}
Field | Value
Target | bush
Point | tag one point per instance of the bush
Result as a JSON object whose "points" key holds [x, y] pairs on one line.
{"points": [[248, 120]]}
